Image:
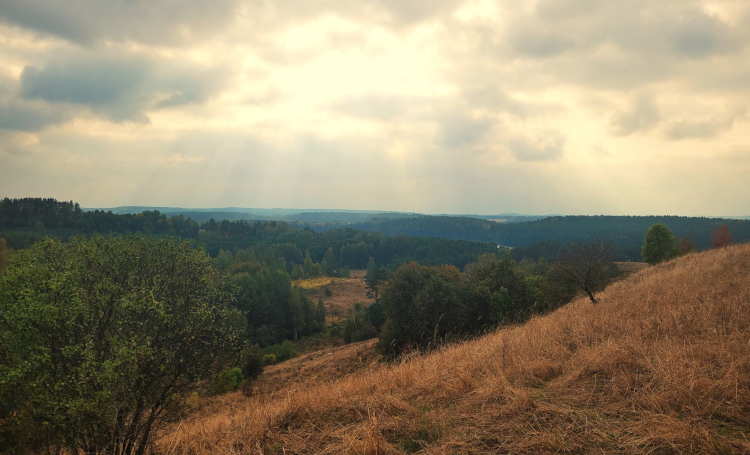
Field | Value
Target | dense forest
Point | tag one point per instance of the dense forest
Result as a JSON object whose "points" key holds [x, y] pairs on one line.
{"points": [[26, 221], [625, 233]]}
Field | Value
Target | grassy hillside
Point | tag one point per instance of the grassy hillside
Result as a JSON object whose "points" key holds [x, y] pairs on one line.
{"points": [[660, 365]]}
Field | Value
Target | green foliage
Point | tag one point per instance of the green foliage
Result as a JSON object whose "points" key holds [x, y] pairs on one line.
{"points": [[334, 331], [5, 254], [422, 305], [359, 326], [374, 279], [101, 340], [282, 351], [625, 233], [344, 272], [252, 366], [269, 359], [659, 245], [327, 291], [501, 307], [227, 381]]}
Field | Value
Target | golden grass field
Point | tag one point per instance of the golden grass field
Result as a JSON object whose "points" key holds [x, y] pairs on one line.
{"points": [[661, 365], [345, 293]]}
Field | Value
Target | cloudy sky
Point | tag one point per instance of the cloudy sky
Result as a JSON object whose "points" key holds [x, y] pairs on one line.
{"points": [[437, 106]]}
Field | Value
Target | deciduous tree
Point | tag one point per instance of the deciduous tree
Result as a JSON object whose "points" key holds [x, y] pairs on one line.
{"points": [[102, 339], [659, 245], [721, 237], [588, 266]]}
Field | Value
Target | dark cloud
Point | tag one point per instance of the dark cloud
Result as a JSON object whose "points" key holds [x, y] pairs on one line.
{"points": [[119, 88], [699, 35], [548, 146], [24, 115], [642, 115], [150, 21]]}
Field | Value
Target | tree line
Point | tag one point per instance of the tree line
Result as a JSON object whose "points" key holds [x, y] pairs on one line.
{"points": [[625, 233], [26, 221]]}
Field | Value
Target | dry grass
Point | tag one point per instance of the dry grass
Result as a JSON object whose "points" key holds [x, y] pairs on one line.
{"points": [[661, 365], [629, 268], [345, 293]]}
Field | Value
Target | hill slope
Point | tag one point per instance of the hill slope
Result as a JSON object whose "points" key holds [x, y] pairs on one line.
{"points": [[660, 365]]}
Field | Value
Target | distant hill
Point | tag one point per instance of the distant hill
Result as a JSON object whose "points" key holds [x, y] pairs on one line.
{"points": [[659, 365], [625, 232], [335, 216]]}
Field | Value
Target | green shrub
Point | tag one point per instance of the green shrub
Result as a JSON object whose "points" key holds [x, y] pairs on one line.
{"points": [[328, 292], [282, 351], [253, 364], [227, 381], [269, 359], [138, 325]]}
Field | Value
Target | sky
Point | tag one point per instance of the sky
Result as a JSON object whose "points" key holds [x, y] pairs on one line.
{"points": [[435, 106]]}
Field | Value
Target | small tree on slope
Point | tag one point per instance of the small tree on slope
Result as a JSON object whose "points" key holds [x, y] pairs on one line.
{"points": [[588, 266], [659, 245]]}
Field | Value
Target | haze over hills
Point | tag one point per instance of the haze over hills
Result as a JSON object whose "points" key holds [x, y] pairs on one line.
{"points": [[311, 215]]}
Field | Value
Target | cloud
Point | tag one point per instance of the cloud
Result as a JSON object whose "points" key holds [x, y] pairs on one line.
{"points": [[380, 103], [23, 115], [702, 129], [378, 106], [497, 100], [119, 88], [700, 35], [534, 43], [459, 130], [547, 146], [149, 21], [642, 115]]}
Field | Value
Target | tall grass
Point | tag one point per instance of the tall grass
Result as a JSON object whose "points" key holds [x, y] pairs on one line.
{"points": [[660, 365]]}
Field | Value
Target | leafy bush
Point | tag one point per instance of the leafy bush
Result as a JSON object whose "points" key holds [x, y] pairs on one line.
{"points": [[227, 381], [335, 330], [253, 364], [282, 351], [101, 339], [269, 359]]}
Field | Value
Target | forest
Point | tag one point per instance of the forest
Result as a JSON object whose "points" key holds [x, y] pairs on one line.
{"points": [[625, 233]]}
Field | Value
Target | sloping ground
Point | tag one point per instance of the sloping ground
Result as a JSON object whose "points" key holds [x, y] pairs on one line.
{"points": [[345, 292], [629, 268], [660, 365], [324, 365]]}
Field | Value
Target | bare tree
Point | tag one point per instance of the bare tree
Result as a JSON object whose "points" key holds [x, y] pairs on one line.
{"points": [[588, 266], [721, 237]]}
